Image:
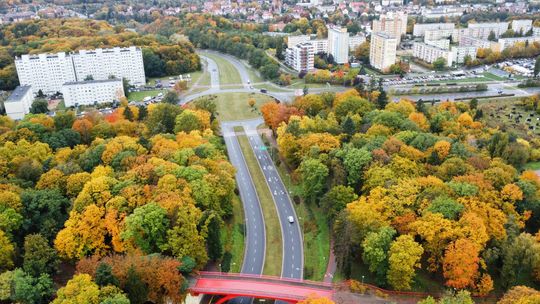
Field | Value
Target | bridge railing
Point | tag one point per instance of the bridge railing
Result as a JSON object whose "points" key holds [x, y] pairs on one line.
{"points": [[265, 278]]}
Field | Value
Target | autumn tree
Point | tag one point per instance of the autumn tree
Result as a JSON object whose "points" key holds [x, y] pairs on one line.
{"points": [[403, 258], [375, 251], [80, 289], [460, 264]]}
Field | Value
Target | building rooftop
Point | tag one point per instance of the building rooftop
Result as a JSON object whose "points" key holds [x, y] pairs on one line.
{"points": [[19, 93], [91, 81]]}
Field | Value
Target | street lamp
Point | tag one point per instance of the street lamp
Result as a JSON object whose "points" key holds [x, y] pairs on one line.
{"points": [[219, 267], [362, 280]]}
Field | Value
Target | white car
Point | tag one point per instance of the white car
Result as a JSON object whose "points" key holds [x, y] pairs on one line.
{"points": [[291, 219]]}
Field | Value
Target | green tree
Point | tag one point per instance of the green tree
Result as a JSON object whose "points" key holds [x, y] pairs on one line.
{"points": [[171, 98], [143, 113], [31, 290], [403, 258], [64, 120], [520, 254], [355, 160], [336, 199], [39, 256], [348, 126], [439, 64], [135, 288], [88, 78], [146, 227], [154, 66], [45, 212], [187, 121], [446, 206], [473, 104], [104, 275], [161, 118], [313, 175], [537, 66], [382, 99], [375, 251], [128, 114], [39, 106], [213, 241], [112, 295], [492, 36]]}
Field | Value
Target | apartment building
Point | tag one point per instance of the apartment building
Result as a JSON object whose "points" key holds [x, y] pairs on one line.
{"points": [[92, 92], [355, 41], [478, 43], [505, 43], [392, 24], [102, 63], [294, 40], [382, 52], [419, 29], [19, 102], [301, 57], [460, 52], [319, 45], [521, 25], [431, 35], [391, 2], [338, 44], [48, 72], [483, 30], [430, 53], [441, 43]]}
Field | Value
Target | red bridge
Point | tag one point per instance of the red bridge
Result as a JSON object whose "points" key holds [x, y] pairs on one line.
{"points": [[232, 286]]}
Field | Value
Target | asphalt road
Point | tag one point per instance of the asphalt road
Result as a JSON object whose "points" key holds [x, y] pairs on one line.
{"points": [[293, 250], [255, 242]]}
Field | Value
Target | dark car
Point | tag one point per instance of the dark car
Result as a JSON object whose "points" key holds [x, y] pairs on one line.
{"points": [[264, 91]]}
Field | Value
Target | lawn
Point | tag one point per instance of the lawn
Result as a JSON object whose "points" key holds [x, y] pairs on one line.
{"points": [[233, 236], [270, 88], [532, 166], [234, 106], [139, 96], [228, 74], [314, 227], [274, 246], [504, 114], [203, 76]]}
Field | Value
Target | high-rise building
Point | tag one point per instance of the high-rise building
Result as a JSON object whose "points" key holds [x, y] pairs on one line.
{"points": [[48, 72], [301, 57], [521, 25], [355, 41], [338, 44], [392, 24], [382, 52], [297, 39]]}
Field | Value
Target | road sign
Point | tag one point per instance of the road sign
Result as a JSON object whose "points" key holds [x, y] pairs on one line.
{"points": [[263, 148]]}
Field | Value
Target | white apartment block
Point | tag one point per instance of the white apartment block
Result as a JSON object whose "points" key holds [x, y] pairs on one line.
{"points": [[355, 41], [505, 43], [429, 53], [442, 43], [482, 30], [19, 102], [478, 43], [300, 57], [521, 25], [391, 2], [102, 63], [48, 72], [460, 52], [419, 29], [536, 31], [92, 92], [382, 52], [319, 45], [431, 35], [338, 44], [294, 40], [392, 24]]}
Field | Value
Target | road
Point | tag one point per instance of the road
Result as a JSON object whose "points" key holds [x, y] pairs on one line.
{"points": [[293, 250]]}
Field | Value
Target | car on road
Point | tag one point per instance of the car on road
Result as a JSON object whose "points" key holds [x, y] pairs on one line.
{"points": [[264, 91], [291, 219]]}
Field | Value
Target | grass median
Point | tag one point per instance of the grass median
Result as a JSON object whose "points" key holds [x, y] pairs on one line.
{"points": [[233, 238], [274, 246]]}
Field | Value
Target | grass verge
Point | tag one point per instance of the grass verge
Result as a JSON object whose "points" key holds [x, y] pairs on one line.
{"points": [[228, 74], [234, 106], [233, 238], [532, 166], [139, 96], [315, 231], [274, 251]]}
